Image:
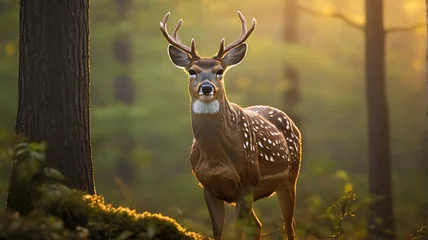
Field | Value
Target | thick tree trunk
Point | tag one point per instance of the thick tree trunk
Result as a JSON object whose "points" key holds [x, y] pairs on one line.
{"points": [[54, 90], [291, 95], [378, 121]]}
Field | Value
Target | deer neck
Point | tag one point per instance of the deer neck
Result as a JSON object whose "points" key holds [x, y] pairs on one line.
{"points": [[212, 124]]}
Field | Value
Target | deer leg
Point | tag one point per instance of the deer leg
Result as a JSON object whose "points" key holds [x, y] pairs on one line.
{"points": [[216, 210], [244, 206], [287, 201], [256, 226]]}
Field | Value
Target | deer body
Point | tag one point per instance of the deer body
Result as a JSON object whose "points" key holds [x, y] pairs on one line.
{"points": [[239, 155], [257, 134]]}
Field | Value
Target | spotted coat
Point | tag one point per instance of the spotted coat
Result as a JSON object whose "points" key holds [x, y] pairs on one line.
{"points": [[270, 133]]}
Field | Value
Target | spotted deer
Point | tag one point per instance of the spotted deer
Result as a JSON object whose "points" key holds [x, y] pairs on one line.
{"points": [[239, 155]]}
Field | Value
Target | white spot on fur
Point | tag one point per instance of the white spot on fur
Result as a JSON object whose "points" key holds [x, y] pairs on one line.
{"points": [[200, 107]]}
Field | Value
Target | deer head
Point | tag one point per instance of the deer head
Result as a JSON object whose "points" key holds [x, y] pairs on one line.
{"points": [[206, 87]]}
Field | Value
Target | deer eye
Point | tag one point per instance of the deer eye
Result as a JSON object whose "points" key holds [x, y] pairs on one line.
{"points": [[192, 72], [220, 73]]}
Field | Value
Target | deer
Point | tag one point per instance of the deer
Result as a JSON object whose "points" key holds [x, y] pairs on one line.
{"points": [[238, 155]]}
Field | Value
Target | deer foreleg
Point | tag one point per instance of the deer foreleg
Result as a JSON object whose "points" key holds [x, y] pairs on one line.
{"points": [[244, 206], [216, 209]]}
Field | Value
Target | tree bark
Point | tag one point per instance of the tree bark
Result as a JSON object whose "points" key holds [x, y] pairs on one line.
{"points": [[54, 91], [291, 95], [378, 121], [425, 156]]}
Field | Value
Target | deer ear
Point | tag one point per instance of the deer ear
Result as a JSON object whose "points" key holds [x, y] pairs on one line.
{"points": [[179, 58], [235, 55]]}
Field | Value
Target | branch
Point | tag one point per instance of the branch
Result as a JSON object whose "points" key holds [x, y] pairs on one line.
{"points": [[404, 29], [331, 14], [353, 23]]}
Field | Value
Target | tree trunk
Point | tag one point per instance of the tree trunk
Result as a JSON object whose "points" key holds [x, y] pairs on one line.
{"points": [[291, 95], [426, 117], [54, 91], [378, 122]]}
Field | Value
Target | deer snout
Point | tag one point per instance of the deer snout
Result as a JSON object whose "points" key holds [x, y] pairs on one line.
{"points": [[206, 88]]}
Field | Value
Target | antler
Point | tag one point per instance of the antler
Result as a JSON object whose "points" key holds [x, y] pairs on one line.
{"points": [[244, 35], [175, 39]]}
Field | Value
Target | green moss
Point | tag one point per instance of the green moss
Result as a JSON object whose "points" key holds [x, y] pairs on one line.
{"points": [[59, 212], [67, 213]]}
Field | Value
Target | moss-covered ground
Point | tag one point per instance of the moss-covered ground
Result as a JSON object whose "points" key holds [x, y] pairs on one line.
{"points": [[64, 213]]}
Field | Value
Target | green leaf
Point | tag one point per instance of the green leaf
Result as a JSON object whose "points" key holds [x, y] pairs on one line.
{"points": [[124, 235], [27, 169], [39, 147], [341, 174], [21, 152], [39, 156], [53, 173], [21, 145]]}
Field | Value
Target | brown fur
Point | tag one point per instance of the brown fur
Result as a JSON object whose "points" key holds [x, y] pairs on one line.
{"points": [[239, 155], [222, 165]]}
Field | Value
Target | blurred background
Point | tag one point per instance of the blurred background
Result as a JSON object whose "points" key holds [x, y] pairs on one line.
{"points": [[141, 133]]}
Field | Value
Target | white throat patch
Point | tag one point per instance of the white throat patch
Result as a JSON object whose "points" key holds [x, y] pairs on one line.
{"points": [[200, 107]]}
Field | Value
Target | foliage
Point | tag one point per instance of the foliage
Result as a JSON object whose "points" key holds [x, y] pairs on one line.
{"points": [[329, 59], [60, 212], [335, 216], [419, 233]]}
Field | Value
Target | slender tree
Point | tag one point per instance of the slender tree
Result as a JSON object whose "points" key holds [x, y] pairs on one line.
{"points": [[54, 91], [291, 95], [124, 92], [426, 118], [378, 113], [378, 120]]}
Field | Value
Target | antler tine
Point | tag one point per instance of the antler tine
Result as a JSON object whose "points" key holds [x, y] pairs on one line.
{"points": [[175, 33], [221, 47], [193, 48], [165, 19], [244, 23], [175, 39], [241, 39]]}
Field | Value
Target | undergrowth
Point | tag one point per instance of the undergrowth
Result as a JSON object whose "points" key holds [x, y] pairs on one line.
{"points": [[64, 213]]}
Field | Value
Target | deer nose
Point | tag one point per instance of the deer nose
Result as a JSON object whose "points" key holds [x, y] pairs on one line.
{"points": [[206, 89]]}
